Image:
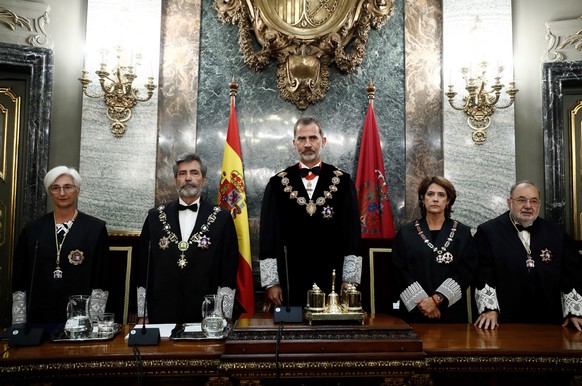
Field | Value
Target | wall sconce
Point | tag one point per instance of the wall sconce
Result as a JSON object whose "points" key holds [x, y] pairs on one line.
{"points": [[480, 104], [118, 93]]}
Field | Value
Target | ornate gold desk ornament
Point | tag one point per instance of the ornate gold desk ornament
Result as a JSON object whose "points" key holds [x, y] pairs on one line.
{"points": [[349, 309], [333, 304], [305, 37], [315, 299]]}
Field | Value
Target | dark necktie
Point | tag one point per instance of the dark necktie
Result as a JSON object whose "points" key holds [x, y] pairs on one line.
{"points": [[304, 171], [520, 227], [193, 207]]}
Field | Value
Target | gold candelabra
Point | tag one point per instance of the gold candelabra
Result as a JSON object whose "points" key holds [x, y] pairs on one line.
{"points": [[118, 93], [480, 103]]}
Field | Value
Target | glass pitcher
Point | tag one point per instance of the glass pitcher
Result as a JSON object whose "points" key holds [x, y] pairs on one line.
{"points": [[214, 324], [78, 324]]}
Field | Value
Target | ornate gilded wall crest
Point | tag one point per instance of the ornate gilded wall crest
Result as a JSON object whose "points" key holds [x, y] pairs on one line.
{"points": [[305, 37]]}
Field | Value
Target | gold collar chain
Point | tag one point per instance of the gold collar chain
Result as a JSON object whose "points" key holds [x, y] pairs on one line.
{"points": [[58, 273], [199, 238], [442, 255], [311, 206], [529, 262]]}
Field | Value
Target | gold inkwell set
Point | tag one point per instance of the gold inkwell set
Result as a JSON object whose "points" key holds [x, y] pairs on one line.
{"points": [[348, 308]]}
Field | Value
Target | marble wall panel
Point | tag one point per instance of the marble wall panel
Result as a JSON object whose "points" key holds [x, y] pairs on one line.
{"points": [[424, 147], [266, 121], [555, 78], [36, 64], [119, 173], [178, 89], [482, 174]]}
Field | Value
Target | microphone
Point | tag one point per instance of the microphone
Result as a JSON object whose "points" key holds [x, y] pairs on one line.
{"points": [[25, 335], [288, 313], [145, 336]]}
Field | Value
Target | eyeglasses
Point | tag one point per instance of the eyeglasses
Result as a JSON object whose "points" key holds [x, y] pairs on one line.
{"points": [[67, 188], [522, 201]]}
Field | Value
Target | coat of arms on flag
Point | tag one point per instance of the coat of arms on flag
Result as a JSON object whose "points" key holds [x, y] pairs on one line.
{"points": [[229, 192]]}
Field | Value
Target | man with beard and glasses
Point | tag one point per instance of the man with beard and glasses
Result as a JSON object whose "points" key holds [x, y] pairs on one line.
{"points": [[530, 270], [310, 214], [190, 249]]}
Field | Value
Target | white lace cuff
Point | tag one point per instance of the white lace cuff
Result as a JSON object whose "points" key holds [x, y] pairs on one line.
{"points": [[141, 297], [227, 294], [452, 291], [486, 299], [269, 273], [18, 307], [572, 303], [352, 269], [98, 303], [412, 294]]}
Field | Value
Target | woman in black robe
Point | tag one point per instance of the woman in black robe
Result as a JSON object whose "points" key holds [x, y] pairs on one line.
{"points": [[62, 253], [434, 259]]}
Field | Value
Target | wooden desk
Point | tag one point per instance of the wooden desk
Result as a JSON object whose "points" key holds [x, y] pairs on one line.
{"points": [[512, 354], [91, 362], [385, 351]]}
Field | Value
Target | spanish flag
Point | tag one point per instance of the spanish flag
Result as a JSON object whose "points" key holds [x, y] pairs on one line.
{"points": [[232, 196], [375, 212]]}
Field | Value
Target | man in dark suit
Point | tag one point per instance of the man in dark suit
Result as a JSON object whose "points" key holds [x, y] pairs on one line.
{"points": [[530, 270], [190, 249], [310, 213]]}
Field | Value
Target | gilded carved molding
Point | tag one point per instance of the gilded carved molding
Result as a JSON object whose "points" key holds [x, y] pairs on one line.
{"points": [[501, 363], [114, 368], [564, 40], [304, 37], [346, 368], [27, 24]]}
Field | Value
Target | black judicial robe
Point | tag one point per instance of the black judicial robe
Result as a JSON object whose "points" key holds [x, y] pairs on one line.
{"points": [[49, 296], [175, 294], [534, 295], [315, 244], [413, 261]]}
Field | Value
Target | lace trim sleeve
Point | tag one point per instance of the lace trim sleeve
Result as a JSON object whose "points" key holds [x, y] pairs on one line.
{"points": [[486, 298], [98, 302], [18, 307], [141, 295], [228, 294], [451, 290], [352, 269], [412, 294], [572, 304], [269, 273]]}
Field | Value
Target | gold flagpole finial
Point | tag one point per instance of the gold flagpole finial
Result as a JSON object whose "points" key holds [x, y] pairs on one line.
{"points": [[371, 91], [233, 87]]}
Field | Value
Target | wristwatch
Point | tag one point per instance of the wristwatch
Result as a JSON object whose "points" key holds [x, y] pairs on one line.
{"points": [[439, 297]]}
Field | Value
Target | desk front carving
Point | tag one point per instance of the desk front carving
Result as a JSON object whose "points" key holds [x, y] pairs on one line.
{"points": [[385, 351]]}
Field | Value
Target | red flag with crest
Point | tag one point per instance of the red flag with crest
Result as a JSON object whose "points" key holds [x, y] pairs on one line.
{"points": [[375, 211]]}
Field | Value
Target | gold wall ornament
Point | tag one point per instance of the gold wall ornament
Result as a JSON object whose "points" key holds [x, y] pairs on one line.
{"points": [[305, 37], [119, 94], [480, 102]]}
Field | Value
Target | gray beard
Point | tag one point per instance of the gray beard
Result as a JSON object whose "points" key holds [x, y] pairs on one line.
{"points": [[189, 191], [308, 158]]}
